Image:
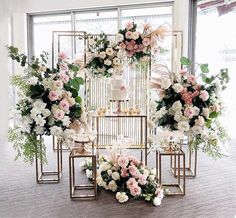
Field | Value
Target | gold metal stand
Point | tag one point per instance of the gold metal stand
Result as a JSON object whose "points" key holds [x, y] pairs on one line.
{"points": [[191, 169], [64, 148], [180, 185], [74, 189], [118, 105], [43, 177], [138, 133]]}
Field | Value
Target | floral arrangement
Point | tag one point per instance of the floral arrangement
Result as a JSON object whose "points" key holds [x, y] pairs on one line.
{"points": [[48, 101], [105, 59], [192, 105], [138, 45], [126, 176]]}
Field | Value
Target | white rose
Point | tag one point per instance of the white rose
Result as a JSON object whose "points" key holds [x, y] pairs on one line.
{"points": [[135, 35], [107, 62], [205, 112], [122, 197], [109, 51], [112, 186], [33, 80], [183, 126], [165, 83], [119, 37], [102, 54], [115, 176], [100, 181], [157, 201], [196, 111], [178, 87], [178, 116], [116, 61], [176, 106], [109, 172], [200, 121]]}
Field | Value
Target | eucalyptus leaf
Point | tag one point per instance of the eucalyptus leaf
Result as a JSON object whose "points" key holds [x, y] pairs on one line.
{"points": [[185, 61], [204, 68]]}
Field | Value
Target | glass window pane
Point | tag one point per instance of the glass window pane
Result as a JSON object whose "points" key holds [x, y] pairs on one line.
{"points": [[43, 26], [95, 22]]}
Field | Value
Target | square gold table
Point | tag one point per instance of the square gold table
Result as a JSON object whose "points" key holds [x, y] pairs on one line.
{"points": [[178, 155], [109, 126], [75, 189]]}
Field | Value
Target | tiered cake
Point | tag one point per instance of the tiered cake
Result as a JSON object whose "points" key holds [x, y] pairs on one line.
{"points": [[119, 90]]}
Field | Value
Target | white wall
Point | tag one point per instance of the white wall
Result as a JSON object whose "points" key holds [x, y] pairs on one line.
{"points": [[15, 11]]}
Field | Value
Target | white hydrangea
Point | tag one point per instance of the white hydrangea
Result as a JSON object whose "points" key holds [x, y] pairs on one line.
{"points": [[89, 174], [183, 126], [159, 114], [33, 80], [39, 120], [66, 121], [39, 105], [39, 130], [57, 131]]}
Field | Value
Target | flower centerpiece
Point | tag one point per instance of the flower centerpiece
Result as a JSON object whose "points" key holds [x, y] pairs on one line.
{"points": [[48, 101], [105, 60], [192, 105], [126, 176], [136, 44]]}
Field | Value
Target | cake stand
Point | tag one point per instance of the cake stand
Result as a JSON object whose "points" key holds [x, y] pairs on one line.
{"points": [[118, 105]]}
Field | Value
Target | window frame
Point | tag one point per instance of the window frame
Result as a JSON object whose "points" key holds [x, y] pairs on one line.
{"points": [[73, 12]]}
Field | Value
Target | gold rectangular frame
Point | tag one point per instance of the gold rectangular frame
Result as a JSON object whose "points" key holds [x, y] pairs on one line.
{"points": [[177, 168], [41, 175], [115, 131], [73, 187]]}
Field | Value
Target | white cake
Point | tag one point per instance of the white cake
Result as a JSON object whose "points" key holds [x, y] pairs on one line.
{"points": [[118, 89]]}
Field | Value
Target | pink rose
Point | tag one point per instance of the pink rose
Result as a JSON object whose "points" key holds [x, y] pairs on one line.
{"points": [[53, 95], [191, 79], [122, 45], [62, 56], [59, 114], [146, 42], [142, 179], [129, 25], [135, 191], [130, 47], [131, 182], [124, 172], [204, 95], [183, 72], [128, 35], [123, 161], [132, 42], [64, 105], [58, 84], [130, 54], [189, 112], [134, 160], [133, 170], [64, 67], [64, 78]]}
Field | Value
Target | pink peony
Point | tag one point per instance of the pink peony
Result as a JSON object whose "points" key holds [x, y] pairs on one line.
{"points": [[135, 191], [204, 95], [130, 47], [123, 161], [183, 72], [64, 67], [64, 78], [146, 42], [128, 35], [58, 84], [53, 95], [64, 105], [59, 114], [129, 25], [189, 112], [130, 54], [124, 172], [142, 179], [134, 160], [62, 56], [131, 183]]}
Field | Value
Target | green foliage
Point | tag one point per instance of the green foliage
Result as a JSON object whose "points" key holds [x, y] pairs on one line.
{"points": [[26, 145], [20, 82], [185, 61], [204, 68]]}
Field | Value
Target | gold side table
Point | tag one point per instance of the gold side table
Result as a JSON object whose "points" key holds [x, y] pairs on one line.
{"points": [[191, 168], [75, 189], [179, 156], [43, 177]]}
